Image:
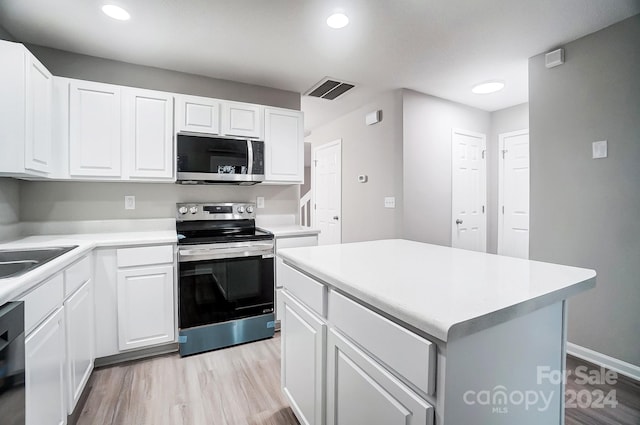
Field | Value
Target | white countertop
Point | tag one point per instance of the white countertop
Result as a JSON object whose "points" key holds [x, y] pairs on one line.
{"points": [[291, 230], [13, 287], [444, 292]]}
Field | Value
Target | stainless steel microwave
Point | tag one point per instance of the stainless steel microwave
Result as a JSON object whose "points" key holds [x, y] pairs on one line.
{"points": [[204, 159]]}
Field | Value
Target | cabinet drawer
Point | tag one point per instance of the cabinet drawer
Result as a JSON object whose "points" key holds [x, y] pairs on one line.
{"points": [[313, 294], [76, 275], [410, 355], [144, 256], [42, 301], [294, 242]]}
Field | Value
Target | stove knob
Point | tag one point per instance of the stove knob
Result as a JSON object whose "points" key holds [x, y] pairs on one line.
{"points": [[240, 210], [249, 209], [193, 210], [183, 210]]}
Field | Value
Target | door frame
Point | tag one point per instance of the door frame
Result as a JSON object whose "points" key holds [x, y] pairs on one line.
{"points": [[501, 159], [453, 215], [314, 153]]}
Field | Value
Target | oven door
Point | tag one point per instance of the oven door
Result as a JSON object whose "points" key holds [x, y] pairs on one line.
{"points": [[226, 281]]}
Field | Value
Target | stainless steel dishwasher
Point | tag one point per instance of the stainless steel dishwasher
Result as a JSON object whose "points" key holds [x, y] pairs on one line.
{"points": [[12, 392]]}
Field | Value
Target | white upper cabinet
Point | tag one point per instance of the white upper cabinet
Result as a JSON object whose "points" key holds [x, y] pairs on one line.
{"points": [[242, 120], [38, 129], [25, 113], [147, 120], [197, 114], [284, 145], [94, 129]]}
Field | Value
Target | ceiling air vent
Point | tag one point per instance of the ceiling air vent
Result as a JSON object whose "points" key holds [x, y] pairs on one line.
{"points": [[329, 88]]}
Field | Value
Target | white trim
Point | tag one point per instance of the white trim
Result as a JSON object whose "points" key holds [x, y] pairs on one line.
{"points": [[453, 217], [314, 153], [501, 138], [627, 369]]}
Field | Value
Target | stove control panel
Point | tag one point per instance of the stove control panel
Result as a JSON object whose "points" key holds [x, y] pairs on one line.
{"points": [[215, 211]]}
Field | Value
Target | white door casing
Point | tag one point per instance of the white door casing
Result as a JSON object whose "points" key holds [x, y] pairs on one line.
{"points": [[326, 187], [468, 190], [513, 194]]}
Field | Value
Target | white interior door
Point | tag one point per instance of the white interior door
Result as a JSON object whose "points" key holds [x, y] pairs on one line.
{"points": [[326, 185], [513, 194], [469, 190]]}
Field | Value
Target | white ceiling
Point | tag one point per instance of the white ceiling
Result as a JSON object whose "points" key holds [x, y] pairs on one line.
{"points": [[440, 47]]}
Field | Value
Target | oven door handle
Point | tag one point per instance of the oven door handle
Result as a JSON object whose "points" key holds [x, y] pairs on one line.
{"points": [[201, 254]]}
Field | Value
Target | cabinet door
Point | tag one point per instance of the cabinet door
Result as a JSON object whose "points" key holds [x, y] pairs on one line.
{"points": [[242, 120], [94, 129], [359, 390], [284, 145], [145, 306], [39, 90], [80, 345], [303, 361], [148, 133], [197, 114], [44, 373]]}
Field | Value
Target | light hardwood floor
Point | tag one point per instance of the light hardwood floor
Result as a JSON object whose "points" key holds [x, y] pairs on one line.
{"points": [[234, 386], [241, 386]]}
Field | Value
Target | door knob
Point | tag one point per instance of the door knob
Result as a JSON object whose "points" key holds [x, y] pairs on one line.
{"points": [[335, 217], [458, 221]]}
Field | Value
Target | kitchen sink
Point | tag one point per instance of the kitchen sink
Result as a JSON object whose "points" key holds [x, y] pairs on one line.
{"points": [[14, 263]]}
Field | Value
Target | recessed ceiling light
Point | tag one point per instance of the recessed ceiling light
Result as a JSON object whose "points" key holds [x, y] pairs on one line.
{"points": [[116, 12], [488, 87], [338, 20]]}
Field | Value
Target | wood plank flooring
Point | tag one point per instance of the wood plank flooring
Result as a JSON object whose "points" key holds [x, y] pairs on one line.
{"points": [[241, 386], [627, 395], [235, 386]]}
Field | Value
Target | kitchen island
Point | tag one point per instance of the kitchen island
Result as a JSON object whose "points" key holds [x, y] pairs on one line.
{"points": [[400, 332]]}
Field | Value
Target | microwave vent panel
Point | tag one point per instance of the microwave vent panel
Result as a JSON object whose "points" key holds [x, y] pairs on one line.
{"points": [[329, 88]]}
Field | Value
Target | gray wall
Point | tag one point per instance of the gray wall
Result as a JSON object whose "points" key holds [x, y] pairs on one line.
{"points": [[584, 212], [427, 123], [503, 121], [53, 201], [73, 65], [9, 208], [4, 35], [376, 151]]}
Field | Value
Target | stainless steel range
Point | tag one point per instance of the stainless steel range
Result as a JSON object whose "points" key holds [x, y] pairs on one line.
{"points": [[226, 272]]}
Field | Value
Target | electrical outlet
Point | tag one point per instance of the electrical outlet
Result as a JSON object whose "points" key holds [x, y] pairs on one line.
{"points": [[260, 201], [390, 202], [129, 202]]}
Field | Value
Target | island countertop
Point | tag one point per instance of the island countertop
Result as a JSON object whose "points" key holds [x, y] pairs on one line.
{"points": [[445, 292]]}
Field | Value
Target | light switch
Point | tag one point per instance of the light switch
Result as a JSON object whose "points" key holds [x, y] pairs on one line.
{"points": [[129, 202], [389, 202], [599, 149], [260, 201]]}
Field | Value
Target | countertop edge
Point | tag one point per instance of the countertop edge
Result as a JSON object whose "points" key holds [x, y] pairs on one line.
{"points": [[17, 287], [443, 331]]}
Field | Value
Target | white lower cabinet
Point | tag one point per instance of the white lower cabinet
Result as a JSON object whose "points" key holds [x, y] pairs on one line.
{"points": [[79, 318], [44, 372], [363, 392], [303, 366], [145, 306]]}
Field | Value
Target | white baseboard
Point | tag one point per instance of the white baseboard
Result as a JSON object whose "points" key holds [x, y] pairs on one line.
{"points": [[619, 366]]}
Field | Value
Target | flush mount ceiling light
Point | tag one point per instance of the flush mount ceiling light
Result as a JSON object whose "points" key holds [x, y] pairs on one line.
{"points": [[338, 20], [116, 12], [488, 87]]}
